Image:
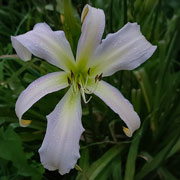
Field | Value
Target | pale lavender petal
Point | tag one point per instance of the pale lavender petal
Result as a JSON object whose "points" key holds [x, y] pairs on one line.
{"points": [[44, 85], [60, 148], [46, 44], [92, 30], [115, 100], [123, 50]]}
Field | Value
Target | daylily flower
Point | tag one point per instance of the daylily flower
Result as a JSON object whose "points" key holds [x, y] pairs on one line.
{"points": [[123, 50]]}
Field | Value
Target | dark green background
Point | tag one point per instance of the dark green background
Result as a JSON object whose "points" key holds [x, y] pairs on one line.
{"points": [[153, 88]]}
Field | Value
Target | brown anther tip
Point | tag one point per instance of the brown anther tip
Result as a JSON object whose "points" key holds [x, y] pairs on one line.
{"points": [[72, 75], [89, 71], [79, 86], [96, 78], [100, 77], [69, 81]]}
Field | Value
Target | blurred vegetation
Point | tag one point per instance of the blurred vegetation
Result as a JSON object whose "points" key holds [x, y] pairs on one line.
{"points": [[153, 153]]}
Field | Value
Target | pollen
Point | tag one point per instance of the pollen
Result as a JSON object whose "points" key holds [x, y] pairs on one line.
{"points": [[126, 131], [25, 122]]}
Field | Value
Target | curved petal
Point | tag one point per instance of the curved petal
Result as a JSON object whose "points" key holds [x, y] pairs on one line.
{"points": [[92, 30], [60, 148], [46, 44], [115, 100], [123, 50], [37, 89]]}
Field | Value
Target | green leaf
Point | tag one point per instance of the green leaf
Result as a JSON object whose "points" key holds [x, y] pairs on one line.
{"points": [[166, 174], [116, 169], [175, 148], [101, 164], [84, 160], [145, 84], [71, 26], [1, 72], [136, 99], [11, 150], [11, 147], [132, 155], [156, 161]]}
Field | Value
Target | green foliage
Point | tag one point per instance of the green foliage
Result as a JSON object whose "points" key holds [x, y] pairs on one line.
{"points": [[106, 153], [99, 169], [12, 150]]}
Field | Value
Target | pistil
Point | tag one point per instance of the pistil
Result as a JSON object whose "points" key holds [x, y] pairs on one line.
{"points": [[79, 83]]}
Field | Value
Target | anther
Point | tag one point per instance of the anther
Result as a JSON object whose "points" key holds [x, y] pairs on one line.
{"points": [[72, 75], [89, 71], [69, 81], [96, 78], [100, 77], [79, 86]]}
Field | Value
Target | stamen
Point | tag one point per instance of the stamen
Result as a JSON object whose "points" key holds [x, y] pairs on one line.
{"points": [[96, 78], [100, 77], [87, 91], [69, 81], [89, 71], [84, 96], [83, 91], [80, 81], [72, 75], [89, 99], [74, 88], [126, 131], [79, 86], [86, 82], [25, 122]]}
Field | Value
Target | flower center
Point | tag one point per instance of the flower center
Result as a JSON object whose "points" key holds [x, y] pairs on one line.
{"points": [[83, 82]]}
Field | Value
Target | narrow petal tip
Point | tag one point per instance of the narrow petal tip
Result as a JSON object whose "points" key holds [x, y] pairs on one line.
{"points": [[36, 90], [84, 12], [21, 51], [127, 131], [93, 23], [115, 100], [25, 123]]}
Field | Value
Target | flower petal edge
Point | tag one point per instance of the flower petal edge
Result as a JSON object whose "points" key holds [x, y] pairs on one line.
{"points": [[60, 148], [37, 89], [115, 100]]}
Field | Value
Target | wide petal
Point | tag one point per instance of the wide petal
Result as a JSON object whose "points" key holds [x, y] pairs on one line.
{"points": [[44, 85], [46, 44], [60, 148], [115, 100], [92, 30], [123, 50]]}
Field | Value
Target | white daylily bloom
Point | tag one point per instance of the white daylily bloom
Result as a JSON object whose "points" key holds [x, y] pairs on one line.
{"points": [[125, 49]]}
